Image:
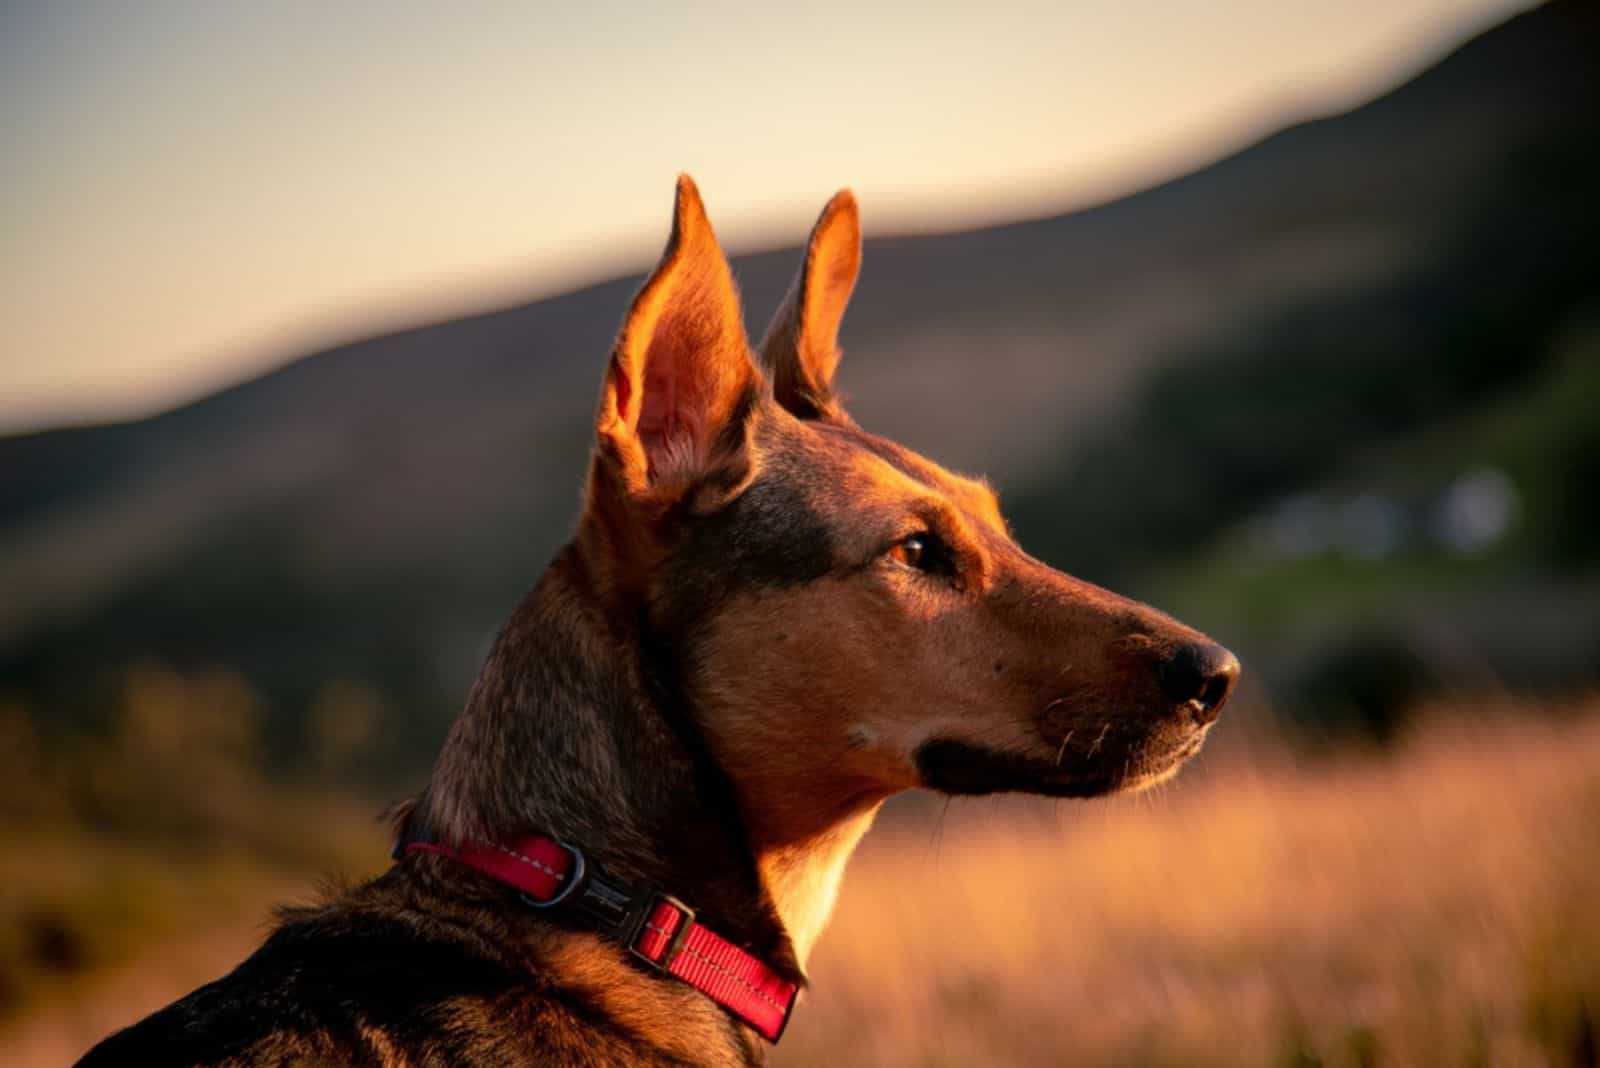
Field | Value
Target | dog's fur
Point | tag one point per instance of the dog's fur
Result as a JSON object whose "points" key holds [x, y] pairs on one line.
{"points": [[767, 622]]}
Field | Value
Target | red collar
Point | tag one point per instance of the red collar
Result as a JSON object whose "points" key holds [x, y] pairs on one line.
{"points": [[656, 928]]}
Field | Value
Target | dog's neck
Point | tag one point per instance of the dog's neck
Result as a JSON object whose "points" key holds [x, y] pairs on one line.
{"points": [[803, 878], [576, 728]]}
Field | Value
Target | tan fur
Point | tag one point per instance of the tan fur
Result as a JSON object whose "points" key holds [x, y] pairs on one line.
{"points": [[684, 1023], [382, 1048], [803, 877]]}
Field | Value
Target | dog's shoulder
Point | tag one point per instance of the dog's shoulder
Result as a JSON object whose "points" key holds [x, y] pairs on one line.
{"points": [[342, 985], [336, 985]]}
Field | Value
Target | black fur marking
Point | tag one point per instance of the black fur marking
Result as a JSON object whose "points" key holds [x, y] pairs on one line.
{"points": [[769, 536], [955, 767]]}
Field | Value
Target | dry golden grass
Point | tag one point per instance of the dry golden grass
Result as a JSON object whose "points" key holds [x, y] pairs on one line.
{"points": [[1436, 905]]}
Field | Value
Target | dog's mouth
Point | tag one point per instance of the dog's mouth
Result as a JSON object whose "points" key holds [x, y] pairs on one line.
{"points": [[1110, 761]]}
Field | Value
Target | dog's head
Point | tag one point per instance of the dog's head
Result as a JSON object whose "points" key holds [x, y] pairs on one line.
{"points": [[847, 618]]}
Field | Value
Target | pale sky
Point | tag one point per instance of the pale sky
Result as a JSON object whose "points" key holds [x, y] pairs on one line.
{"points": [[196, 192]]}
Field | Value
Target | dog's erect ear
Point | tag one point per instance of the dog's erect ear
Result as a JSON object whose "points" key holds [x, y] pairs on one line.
{"points": [[801, 348], [681, 381]]}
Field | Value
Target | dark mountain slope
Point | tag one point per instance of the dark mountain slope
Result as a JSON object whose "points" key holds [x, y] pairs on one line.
{"points": [[372, 511]]}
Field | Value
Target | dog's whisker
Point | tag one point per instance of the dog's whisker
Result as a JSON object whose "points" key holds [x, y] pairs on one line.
{"points": [[1062, 750]]}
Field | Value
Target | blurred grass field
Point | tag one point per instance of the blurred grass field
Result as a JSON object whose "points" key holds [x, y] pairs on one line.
{"points": [[1436, 902], [1436, 906]]}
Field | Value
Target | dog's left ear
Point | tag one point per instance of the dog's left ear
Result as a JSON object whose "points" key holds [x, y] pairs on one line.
{"points": [[801, 348], [681, 383]]}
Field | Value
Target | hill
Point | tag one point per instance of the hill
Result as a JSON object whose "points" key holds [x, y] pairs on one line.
{"points": [[1134, 376]]}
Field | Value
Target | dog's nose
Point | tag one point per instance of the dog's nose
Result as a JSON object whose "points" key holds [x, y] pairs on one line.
{"points": [[1200, 676]]}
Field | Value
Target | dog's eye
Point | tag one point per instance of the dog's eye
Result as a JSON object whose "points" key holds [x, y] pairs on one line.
{"points": [[922, 551], [910, 551]]}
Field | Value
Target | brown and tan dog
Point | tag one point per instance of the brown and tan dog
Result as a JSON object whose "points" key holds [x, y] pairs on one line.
{"points": [[769, 621]]}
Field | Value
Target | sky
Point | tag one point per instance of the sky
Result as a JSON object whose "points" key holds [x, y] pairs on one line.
{"points": [[195, 193]]}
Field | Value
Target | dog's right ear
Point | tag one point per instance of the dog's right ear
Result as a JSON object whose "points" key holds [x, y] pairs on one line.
{"points": [[801, 348], [681, 383]]}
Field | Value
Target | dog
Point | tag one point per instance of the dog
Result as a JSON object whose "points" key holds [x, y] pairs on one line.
{"points": [[767, 622]]}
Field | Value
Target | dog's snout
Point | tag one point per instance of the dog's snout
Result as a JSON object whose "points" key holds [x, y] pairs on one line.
{"points": [[1200, 675]]}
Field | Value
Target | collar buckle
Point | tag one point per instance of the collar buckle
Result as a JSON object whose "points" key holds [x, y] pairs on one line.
{"points": [[675, 941], [636, 918], [613, 907]]}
